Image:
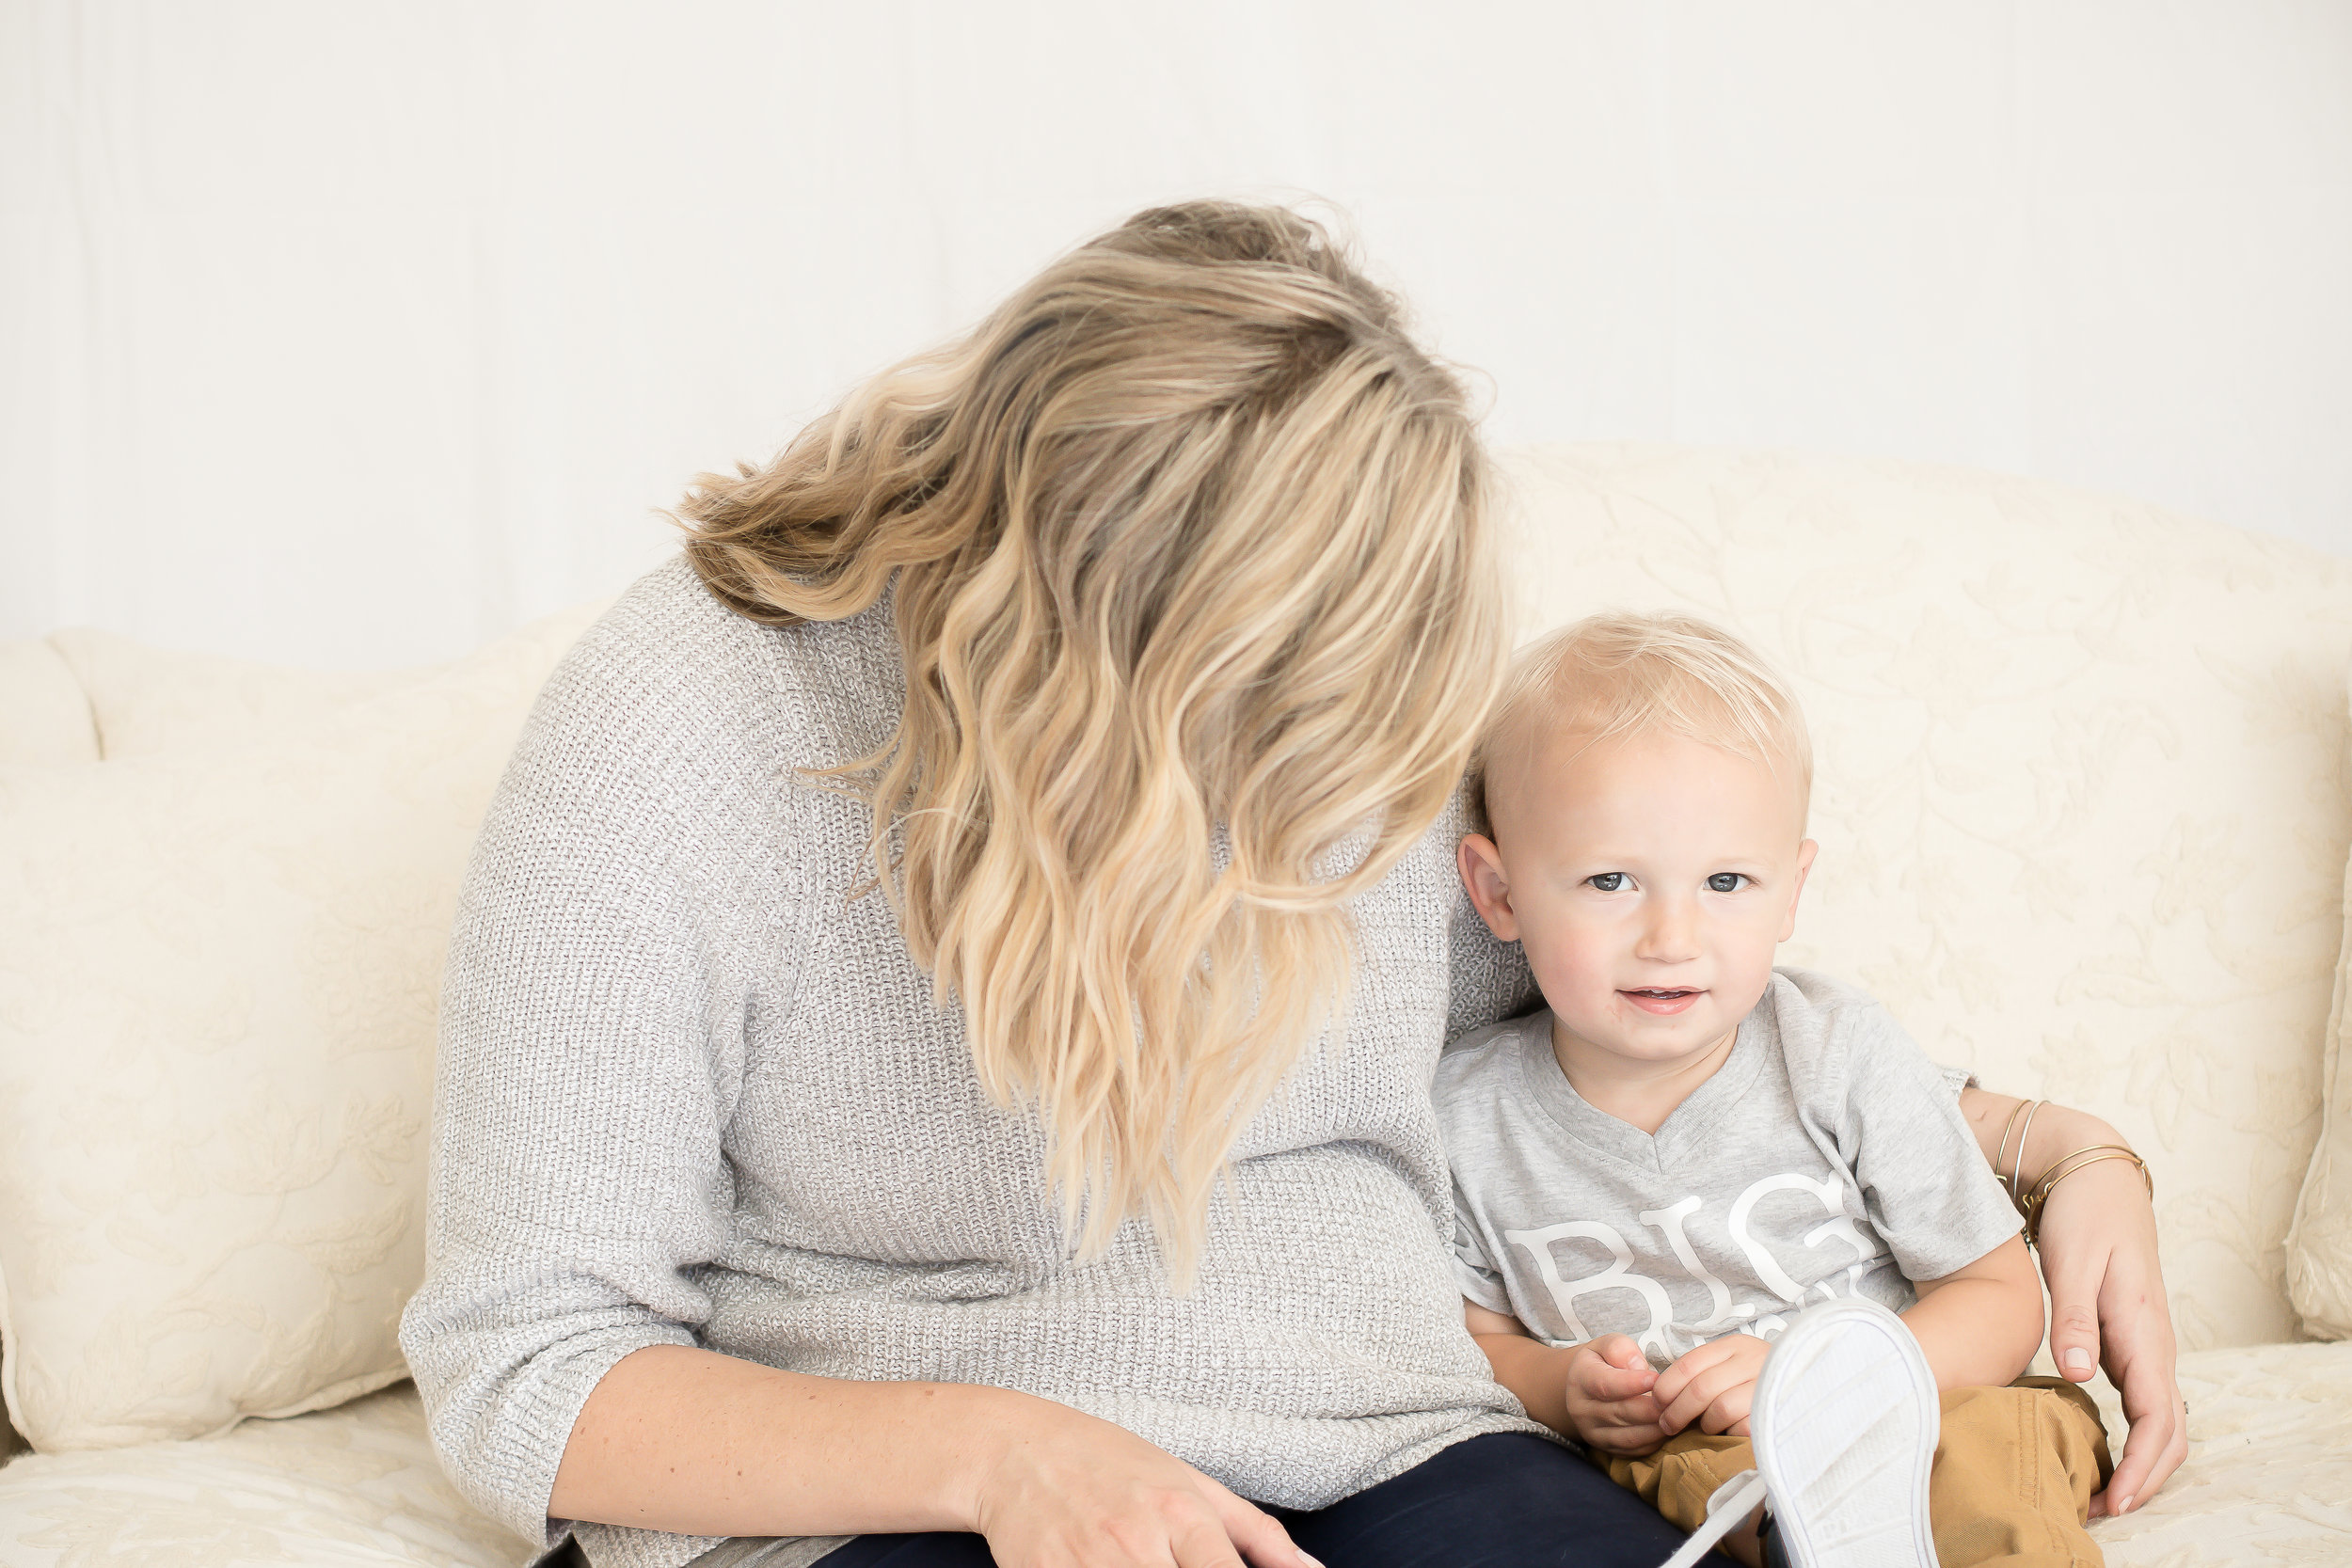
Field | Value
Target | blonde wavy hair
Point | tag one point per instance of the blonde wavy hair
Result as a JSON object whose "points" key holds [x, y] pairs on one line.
{"points": [[1192, 585]]}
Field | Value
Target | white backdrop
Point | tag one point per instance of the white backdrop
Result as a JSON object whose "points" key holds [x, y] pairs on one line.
{"points": [[352, 334]]}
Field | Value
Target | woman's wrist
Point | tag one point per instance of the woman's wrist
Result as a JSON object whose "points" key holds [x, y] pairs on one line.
{"points": [[994, 1428], [2057, 1131]]}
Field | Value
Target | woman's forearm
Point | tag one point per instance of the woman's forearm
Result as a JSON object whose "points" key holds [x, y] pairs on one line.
{"points": [[675, 1439], [2054, 1132]]}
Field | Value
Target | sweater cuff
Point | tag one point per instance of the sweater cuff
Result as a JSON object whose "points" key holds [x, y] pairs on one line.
{"points": [[543, 1405]]}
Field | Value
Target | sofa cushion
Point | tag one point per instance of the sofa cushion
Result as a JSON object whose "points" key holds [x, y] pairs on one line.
{"points": [[217, 979], [2268, 1480], [146, 700], [45, 713], [353, 1487], [2270, 1468], [2082, 797]]}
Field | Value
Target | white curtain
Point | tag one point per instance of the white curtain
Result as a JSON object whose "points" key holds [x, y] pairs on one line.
{"points": [[351, 334]]}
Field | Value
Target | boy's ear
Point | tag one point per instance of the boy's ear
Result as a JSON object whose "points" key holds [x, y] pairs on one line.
{"points": [[1805, 853], [1481, 864]]}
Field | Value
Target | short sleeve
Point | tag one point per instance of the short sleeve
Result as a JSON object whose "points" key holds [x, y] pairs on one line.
{"points": [[1923, 1181], [1474, 1271]]}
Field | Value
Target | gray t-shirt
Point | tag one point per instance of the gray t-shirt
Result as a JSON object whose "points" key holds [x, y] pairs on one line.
{"points": [[1825, 1158]]}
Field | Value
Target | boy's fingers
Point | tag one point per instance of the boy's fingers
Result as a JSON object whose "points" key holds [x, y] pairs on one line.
{"points": [[1638, 1412], [1619, 1382], [1710, 1385], [1620, 1351], [1729, 1410], [1628, 1439], [1675, 1380]]}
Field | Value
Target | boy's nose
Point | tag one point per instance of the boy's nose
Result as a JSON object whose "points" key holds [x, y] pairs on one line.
{"points": [[1671, 933]]}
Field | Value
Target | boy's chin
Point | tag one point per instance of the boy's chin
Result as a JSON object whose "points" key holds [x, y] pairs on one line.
{"points": [[1658, 1041]]}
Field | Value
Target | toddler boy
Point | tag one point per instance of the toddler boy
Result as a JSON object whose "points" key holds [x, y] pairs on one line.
{"points": [[1688, 1149]]}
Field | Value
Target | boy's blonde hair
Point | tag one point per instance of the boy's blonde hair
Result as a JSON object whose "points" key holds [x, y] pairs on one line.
{"points": [[1621, 673]]}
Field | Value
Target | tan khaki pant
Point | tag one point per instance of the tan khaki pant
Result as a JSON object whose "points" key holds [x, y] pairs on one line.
{"points": [[2014, 1471]]}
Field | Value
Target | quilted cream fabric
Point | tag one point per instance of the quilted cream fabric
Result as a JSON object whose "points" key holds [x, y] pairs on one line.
{"points": [[353, 1487], [2268, 1480], [217, 979], [2082, 789]]}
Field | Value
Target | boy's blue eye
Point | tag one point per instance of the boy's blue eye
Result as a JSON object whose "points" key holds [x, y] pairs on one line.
{"points": [[1725, 881], [1607, 881]]}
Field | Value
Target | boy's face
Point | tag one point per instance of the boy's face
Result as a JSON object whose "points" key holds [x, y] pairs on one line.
{"points": [[1649, 877]]}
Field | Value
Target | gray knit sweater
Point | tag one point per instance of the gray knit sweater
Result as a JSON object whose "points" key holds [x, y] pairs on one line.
{"points": [[692, 1090]]}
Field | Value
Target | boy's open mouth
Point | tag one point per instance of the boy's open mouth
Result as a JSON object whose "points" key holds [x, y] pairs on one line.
{"points": [[1663, 999]]}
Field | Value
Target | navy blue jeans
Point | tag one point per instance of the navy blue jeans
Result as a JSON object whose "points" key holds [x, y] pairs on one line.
{"points": [[1505, 1500]]}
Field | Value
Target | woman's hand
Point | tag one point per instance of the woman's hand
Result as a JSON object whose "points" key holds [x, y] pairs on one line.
{"points": [[2098, 1247], [2107, 1305], [1064, 1490]]}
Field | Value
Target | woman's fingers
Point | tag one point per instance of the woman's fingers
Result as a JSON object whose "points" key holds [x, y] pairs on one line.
{"points": [[2158, 1441], [1257, 1534], [2074, 1265], [2074, 1339], [1203, 1541], [2107, 1291], [1071, 1491]]}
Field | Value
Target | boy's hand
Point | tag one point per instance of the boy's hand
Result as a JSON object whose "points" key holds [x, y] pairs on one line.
{"points": [[1609, 1402], [1711, 1387]]}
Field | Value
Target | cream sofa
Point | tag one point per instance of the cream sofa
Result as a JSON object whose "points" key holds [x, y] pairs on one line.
{"points": [[2084, 807]]}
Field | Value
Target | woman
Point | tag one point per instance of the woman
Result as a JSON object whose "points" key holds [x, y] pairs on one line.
{"points": [[938, 1035]]}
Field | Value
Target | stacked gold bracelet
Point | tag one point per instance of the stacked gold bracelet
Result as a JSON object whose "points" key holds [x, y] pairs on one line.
{"points": [[2066, 1165], [2029, 1204]]}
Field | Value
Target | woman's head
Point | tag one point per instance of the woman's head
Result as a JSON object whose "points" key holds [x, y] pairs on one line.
{"points": [[1199, 618]]}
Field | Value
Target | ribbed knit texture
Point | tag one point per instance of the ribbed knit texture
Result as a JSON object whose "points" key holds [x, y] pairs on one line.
{"points": [[693, 1091]]}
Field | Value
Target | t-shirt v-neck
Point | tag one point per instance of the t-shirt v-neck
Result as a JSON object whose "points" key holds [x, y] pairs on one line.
{"points": [[1684, 1135]]}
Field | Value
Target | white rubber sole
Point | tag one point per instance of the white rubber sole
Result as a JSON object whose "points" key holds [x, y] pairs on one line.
{"points": [[1844, 1427]]}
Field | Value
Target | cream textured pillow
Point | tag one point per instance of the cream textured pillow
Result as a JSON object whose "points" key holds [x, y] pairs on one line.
{"points": [[218, 971], [2081, 792], [44, 714], [2319, 1247], [146, 700]]}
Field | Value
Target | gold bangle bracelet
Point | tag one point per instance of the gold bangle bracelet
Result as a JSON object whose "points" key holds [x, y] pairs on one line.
{"points": [[2018, 1162], [2000, 1150], [2066, 1165]]}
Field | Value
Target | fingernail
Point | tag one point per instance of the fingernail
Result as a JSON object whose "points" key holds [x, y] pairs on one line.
{"points": [[1309, 1561], [2124, 1506], [2078, 1358]]}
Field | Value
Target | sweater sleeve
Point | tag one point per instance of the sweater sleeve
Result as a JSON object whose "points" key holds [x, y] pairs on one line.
{"points": [[592, 1037]]}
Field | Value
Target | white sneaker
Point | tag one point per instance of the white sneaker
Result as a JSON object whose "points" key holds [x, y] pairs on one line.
{"points": [[1844, 1427]]}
